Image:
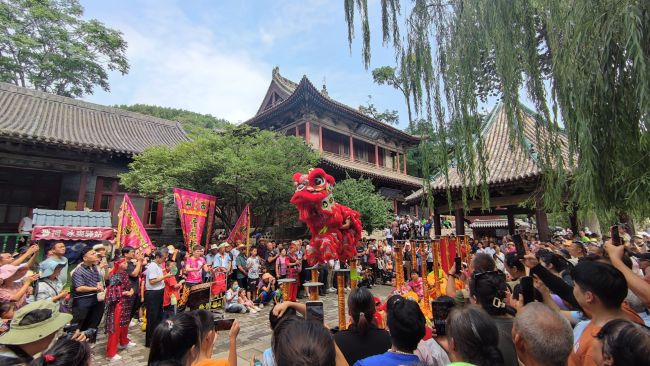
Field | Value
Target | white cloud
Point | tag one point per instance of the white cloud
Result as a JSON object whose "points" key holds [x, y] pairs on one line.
{"points": [[177, 63]]}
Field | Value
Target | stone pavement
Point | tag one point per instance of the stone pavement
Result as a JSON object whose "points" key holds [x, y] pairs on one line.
{"points": [[254, 335]]}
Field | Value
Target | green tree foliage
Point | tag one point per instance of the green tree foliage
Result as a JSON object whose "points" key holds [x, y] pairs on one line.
{"points": [[241, 165], [387, 75], [194, 123], [583, 63], [360, 195], [387, 116], [46, 45]]}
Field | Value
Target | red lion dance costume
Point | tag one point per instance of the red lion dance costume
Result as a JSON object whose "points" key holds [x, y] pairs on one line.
{"points": [[335, 229]]}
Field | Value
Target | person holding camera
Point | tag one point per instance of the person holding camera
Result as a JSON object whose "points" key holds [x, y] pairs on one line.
{"points": [[208, 338], [13, 288], [33, 328]]}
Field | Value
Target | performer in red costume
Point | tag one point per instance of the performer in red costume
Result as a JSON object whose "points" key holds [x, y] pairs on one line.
{"points": [[335, 229]]}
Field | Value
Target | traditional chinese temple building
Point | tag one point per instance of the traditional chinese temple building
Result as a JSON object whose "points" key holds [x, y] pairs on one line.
{"points": [[60, 153], [514, 177], [349, 142]]}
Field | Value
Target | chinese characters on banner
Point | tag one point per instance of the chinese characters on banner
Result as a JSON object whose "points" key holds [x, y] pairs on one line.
{"points": [[130, 231], [193, 209], [71, 233], [241, 230]]}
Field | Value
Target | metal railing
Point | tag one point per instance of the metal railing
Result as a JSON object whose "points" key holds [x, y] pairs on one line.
{"points": [[9, 241]]}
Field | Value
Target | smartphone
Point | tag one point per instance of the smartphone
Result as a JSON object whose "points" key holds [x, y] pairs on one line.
{"points": [[315, 311], [616, 236], [223, 324], [527, 289], [519, 245], [440, 309], [458, 265]]}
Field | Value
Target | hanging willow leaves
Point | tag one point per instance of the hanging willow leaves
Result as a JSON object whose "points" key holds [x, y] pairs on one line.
{"points": [[583, 64]]}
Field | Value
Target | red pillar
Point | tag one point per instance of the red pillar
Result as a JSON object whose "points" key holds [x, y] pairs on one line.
{"points": [[307, 132], [320, 137], [297, 131], [404, 161], [351, 148], [376, 156], [81, 197]]}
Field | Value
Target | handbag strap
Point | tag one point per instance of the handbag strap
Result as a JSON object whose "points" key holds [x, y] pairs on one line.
{"points": [[49, 284]]}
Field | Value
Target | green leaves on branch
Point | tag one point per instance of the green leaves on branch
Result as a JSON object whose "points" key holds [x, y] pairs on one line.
{"points": [[387, 116], [241, 165], [584, 65], [360, 195], [46, 45]]}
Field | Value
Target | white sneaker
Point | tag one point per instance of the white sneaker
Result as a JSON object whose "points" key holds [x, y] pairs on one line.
{"points": [[256, 307], [130, 345], [115, 358], [133, 323], [260, 306], [253, 311], [331, 290]]}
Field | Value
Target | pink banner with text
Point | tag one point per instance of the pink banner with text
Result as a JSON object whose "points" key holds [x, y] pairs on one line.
{"points": [[193, 209], [130, 231]]}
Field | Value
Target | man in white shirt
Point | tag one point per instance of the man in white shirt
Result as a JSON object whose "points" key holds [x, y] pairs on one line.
{"points": [[153, 295]]}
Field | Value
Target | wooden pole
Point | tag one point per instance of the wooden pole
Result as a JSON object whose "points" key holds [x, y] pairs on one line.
{"points": [[353, 266], [340, 285], [313, 290], [435, 248], [468, 251], [399, 266], [423, 268], [248, 231], [414, 260]]}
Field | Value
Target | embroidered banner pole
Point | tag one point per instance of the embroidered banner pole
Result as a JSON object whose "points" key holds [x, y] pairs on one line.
{"points": [[130, 231], [193, 209], [208, 237], [241, 230]]}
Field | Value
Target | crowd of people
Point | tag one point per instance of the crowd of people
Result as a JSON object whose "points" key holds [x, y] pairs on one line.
{"points": [[579, 299]]}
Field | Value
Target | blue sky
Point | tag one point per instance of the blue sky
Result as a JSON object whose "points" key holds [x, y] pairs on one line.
{"points": [[216, 57]]}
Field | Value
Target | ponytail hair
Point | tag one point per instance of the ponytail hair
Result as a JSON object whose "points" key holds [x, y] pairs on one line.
{"points": [[361, 305], [65, 352], [362, 323]]}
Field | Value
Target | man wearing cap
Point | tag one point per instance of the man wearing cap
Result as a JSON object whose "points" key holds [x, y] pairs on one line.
{"points": [[87, 311], [222, 261], [56, 254], [33, 329], [102, 263], [212, 254]]}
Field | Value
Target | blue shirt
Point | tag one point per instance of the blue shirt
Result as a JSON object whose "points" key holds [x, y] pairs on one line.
{"points": [[388, 359], [221, 262]]}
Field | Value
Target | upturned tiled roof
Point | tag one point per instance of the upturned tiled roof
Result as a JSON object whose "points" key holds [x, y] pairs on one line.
{"points": [[506, 161], [28, 115], [370, 170], [71, 218], [305, 92]]}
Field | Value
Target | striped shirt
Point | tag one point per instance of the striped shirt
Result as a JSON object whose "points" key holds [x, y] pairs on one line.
{"points": [[85, 276]]}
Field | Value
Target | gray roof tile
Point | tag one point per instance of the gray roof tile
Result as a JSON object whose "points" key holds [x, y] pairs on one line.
{"points": [[71, 218], [35, 116]]}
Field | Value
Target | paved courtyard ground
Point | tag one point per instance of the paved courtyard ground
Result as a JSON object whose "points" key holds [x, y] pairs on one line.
{"points": [[254, 336]]}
